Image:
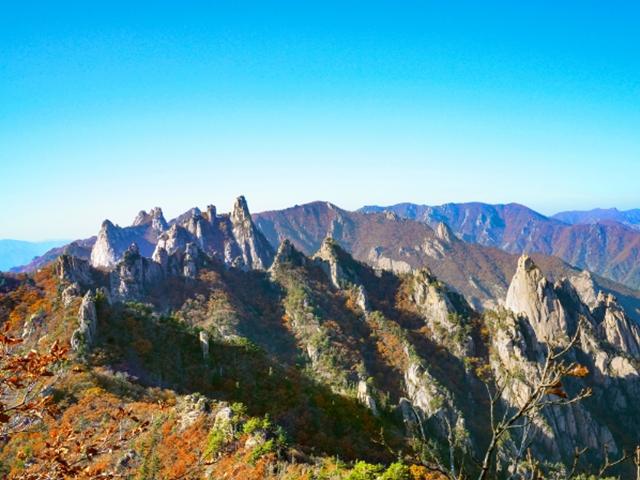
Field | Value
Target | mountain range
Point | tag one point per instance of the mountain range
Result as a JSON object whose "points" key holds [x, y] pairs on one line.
{"points": [[20, 252], [318, 342], [630, 218], [608, 248]]}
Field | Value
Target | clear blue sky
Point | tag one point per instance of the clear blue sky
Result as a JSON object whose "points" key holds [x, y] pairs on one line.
{"points": [[105, 110]]}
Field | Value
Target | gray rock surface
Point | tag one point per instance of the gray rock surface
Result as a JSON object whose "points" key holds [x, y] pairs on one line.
{"points": [[84, 336]]}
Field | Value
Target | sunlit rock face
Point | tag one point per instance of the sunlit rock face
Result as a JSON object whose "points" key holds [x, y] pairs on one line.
{"points": [[532, 295], [230, 238]]}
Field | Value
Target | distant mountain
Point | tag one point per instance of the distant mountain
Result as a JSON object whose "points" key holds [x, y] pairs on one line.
{"points": [[609, 249], [78, 248], [19, 252], [630, 218], [387, 241]]}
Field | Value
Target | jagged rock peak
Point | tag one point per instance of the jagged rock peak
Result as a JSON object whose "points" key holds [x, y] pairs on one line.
{"points": [[526, 263], [443, 232], [608, 300], [107, 225], [211, 213], [103, 254], [424, 276], [240, 211], [158, 221], [141, 218], [434, 305], [173, 240], [531, 295], [285, 250], [255, 251], [328, 249], [85, 334], [329, 256], [331, 251], [287, 253], [155, 218]]}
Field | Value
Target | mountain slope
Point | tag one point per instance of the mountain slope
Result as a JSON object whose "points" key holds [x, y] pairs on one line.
{"points": [[609, 249]]}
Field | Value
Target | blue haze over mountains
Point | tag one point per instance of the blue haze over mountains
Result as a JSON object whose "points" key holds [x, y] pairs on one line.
{"points": [[18, 252]]}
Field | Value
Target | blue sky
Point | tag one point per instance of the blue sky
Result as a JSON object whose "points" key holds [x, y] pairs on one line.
{"points": [[107, 109]]}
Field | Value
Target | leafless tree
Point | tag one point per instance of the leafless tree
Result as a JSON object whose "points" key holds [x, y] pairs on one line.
{"points": [[545, 391]]}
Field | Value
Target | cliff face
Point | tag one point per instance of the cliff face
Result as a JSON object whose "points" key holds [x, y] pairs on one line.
{"points": [[533, 296], [542, 316]]}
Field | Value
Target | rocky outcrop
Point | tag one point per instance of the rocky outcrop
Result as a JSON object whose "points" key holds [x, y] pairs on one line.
{"points": [[532, 295], [430, 402], [232, 239], [105, 251], [517, 359], [33, 323], [444, 233], [154, 218], [113, 241], [84, 336], [73, 270], [256, 252], [585, 287], [190, 409], [447, 326], [615, 327], [287, 255], [203, 338], [131, 276], [190, 261], [70, 293], [336, 264], [365, 397], [173, 240], [546, 316], [342, 271], [379, 260]]}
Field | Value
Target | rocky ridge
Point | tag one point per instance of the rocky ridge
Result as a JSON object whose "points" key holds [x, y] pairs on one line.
{"points": [[231, 238]]}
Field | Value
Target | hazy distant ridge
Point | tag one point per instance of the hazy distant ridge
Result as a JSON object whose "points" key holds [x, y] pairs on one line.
{"points": [[19, 252], [630, 218]]}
